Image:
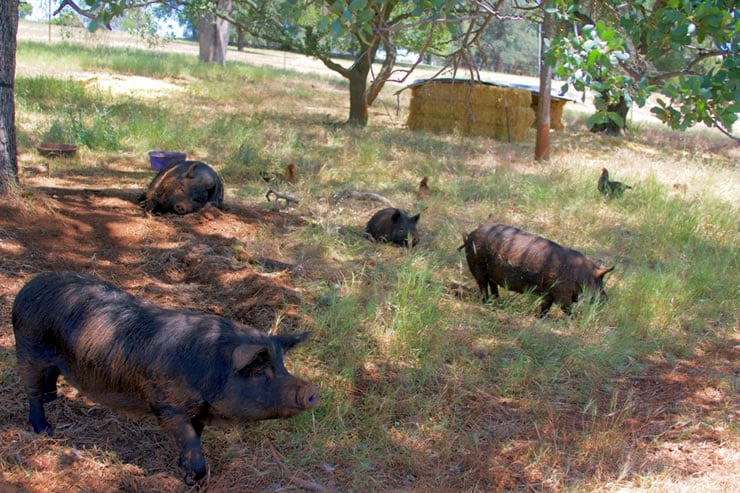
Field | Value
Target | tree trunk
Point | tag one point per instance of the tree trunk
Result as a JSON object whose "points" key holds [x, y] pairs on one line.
{"points": [[239, 38], [357, 76], [213, 38], [358, 114], [542, 144], [384, 74], [611, 127], [360, 97], [8, 149]]}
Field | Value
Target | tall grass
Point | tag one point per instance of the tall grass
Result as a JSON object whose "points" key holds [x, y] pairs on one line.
{"points": [[407, 365]]}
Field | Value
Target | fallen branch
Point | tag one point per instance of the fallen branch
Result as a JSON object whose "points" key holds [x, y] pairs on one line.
{"points": [[354, 194], [289, 199]]}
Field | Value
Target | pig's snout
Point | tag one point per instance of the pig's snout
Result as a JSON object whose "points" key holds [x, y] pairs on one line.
{"points": [[307, 396], [181, 208], [301, 398]]}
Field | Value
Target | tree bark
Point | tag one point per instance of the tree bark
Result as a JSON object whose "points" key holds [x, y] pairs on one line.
{"points": [[358, 112], [542, 144], [357, 76], [8, 146], [611, 127], [239, 38], [213, 38]]}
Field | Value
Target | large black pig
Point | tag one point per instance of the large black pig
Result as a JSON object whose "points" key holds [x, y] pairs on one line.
{"points": [[393, 225], [184, 187], [186, 368], [503, 255]]}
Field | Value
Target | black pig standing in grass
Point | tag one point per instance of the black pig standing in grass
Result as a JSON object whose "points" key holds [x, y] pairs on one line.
{"points": [[184, 187], [186, 368], [503, 255], [393, 225]]}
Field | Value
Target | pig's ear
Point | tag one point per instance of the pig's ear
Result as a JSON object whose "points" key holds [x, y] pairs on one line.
{"points": [[600, 273], [465, 242], [291, 341], [245, 354], [396, 214], [191, 170], [415, 218]]}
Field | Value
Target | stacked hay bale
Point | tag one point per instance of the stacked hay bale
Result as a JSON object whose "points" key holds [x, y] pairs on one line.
{"points": [[556, 111], [472, 108]]}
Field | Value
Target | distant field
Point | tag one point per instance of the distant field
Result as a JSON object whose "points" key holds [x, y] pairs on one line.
{"points": [[39, 31]]}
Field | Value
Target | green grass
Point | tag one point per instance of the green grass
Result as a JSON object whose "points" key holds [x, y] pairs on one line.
{"points": [[422, 358]]}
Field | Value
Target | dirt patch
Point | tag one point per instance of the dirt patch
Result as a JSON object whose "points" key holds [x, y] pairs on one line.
{"points": [[107, 233]]}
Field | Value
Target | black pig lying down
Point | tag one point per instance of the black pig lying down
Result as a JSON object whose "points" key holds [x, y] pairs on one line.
{"points": [[186, 368], [501, 255], [184, 187], [394, 226]]}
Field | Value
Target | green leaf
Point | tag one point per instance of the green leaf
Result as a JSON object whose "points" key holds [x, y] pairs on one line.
{"points": [[358, 4], [336, 27], [616, 118], [593, 57], [621, 55]]}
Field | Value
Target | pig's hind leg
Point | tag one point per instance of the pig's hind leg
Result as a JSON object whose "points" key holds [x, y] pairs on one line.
{"points": [[36, 382], [50, 383], [545, 305]]}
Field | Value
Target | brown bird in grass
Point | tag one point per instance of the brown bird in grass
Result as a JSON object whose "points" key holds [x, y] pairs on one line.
{"points": [[424, 190], [39, 169], [276, 177], [610, 188]]}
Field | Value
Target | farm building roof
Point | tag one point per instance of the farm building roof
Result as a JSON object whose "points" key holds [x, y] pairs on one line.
{"points": [[511, 85]]}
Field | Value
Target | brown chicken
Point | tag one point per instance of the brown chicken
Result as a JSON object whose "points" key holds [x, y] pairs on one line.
{"points": [[424, 190], [610, 188], [276, 177]]}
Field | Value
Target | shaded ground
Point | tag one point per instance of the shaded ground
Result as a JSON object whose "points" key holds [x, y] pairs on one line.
{"points": [[195, 261], [199, 261]]}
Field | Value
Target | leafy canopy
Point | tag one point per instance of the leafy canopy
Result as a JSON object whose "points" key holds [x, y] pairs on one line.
{"points": [[686, 51]]}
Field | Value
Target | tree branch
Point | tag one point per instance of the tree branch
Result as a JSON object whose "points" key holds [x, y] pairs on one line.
{"points": [[73, 6]]}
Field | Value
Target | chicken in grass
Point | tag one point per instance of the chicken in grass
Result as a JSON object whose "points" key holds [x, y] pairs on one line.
{"points": [[424, 190], [275, 177], [610, 188]]}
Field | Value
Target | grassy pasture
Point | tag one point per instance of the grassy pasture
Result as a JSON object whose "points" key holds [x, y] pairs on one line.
{"points": [[423, 387]]}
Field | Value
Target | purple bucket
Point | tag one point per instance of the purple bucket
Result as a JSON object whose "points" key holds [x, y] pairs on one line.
{"points": [[161, 160]]}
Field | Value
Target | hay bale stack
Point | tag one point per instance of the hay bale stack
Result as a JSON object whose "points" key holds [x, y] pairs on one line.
{"points": [[556, 111], [472, 108]]}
